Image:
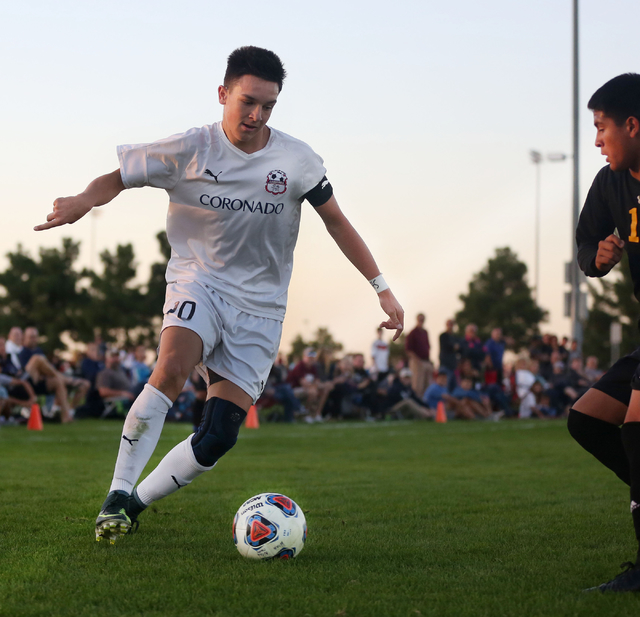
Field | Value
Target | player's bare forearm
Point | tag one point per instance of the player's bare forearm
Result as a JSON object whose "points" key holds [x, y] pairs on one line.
{"points": [[68, 210], [357, 252]]}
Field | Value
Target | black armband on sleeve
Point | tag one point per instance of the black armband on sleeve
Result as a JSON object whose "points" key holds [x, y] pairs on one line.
{"points": [[320, 193]]}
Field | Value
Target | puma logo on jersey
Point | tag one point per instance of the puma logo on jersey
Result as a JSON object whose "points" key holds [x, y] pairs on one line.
{"points": [[129, 440], [324, 184], [214, 176]]}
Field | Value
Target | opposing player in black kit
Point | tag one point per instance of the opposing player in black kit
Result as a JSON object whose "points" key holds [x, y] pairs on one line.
{"points": [[606, 420], [236, 190]]}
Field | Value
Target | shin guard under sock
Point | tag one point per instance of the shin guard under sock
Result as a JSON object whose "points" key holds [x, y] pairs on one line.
{"points": [[601, 439], [177, 469], [140, 435]]}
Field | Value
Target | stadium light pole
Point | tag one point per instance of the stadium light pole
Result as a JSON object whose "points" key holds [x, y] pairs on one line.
{"points": [[536, 159], [576, 300]]}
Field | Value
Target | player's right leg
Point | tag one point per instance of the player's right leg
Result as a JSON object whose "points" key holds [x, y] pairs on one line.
{"points": [[180, 350]]}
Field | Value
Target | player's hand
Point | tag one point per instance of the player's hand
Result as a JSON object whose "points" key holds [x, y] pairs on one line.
{"points": [[66, 210], [392, 308], [609, 252]]}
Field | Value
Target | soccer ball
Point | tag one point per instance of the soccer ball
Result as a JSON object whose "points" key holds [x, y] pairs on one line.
{"points": [[269, 526]]}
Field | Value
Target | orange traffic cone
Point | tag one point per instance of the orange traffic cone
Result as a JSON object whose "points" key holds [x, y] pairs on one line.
{"points": [[441, 414], [35, 418], [252, 420]]}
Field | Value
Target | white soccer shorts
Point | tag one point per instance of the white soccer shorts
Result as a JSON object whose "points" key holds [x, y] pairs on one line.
{"points": [[235, 345]]}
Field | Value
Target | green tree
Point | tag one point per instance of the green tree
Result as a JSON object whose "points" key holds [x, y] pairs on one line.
{"points": [[322, 341], [117, 307], [156, 285], [46, 292], [499, 296], [612, 300]]}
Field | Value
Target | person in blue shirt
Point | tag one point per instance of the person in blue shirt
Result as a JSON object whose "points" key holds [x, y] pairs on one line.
{"points": [[437, 392], [494, 348], [478, 403]]}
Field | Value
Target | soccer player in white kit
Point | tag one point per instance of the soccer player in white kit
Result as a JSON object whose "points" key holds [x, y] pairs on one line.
{"points": [[235, 189]]}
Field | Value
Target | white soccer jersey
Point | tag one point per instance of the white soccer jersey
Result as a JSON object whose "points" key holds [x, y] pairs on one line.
{"points": [[380, 355], [233, 217]]}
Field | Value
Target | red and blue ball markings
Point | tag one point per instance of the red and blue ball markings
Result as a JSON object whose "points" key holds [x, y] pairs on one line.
{"points": [[283, 503], [260, 531], [286, 553]]}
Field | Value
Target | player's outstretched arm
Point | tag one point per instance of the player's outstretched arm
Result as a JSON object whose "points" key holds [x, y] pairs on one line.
{"points": [[71, 209], [357, 252]]}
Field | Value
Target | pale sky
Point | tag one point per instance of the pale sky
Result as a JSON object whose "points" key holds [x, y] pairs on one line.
{"points": [[424, 114]]}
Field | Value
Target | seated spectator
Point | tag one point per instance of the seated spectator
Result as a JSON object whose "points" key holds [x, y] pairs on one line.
{"points": [[544, 357], [278, 392], [536, 403], [591, 370], [478, 403], [467, 371], [402, 400], [471, 348], [438, 392], [307, 387], [560, 391], [577, 380], [38, 371], [494, 350], [365, 394], [114, 384], [140, 370], [19, 391], [91, 364], [339, 399]]}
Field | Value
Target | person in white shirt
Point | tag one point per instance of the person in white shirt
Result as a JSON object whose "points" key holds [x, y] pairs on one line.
{"points": [[235, 194], [380, 356]]}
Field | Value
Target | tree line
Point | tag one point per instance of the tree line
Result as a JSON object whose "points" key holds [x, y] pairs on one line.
{"points": [[52, 293]]}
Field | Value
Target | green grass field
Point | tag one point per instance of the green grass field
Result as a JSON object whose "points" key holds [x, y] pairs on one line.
{"points": [[508, 518]]}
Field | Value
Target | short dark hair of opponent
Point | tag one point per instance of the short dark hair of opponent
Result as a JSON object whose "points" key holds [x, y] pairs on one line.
{"points": [[250, 60], [619, 98]]}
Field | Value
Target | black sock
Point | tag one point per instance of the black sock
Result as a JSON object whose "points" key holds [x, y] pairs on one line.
{"points": [[601, 439], [631, 439]]}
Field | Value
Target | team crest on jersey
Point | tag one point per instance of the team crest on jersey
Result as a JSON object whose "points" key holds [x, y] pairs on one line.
{"points": [[276, 182]]}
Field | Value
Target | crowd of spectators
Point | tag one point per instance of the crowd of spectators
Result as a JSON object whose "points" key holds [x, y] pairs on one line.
{"points": [[473, 379]]}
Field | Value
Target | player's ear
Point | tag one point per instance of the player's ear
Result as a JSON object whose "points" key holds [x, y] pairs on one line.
{"points": [[223, 93], [633, 126]]}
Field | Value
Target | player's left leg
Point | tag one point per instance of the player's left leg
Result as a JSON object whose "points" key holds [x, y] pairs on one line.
{"points": [[223, 415], [629, 580]]}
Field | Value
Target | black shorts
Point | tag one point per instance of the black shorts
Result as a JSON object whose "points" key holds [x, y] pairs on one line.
{"points": [[617, 381]]}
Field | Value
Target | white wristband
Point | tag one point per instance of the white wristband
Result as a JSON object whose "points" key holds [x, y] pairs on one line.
{"points": [[379, 284]]}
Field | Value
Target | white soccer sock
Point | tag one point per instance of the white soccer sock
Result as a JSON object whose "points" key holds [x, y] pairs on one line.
{"points": [[140, 436], [177, 469]]}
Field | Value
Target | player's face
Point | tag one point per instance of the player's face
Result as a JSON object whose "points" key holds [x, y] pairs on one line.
{"points": [[248, 103], [617, 143]]}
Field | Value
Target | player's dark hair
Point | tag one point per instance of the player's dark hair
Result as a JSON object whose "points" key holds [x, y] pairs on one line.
{"points": [[619, 98], [250, 60]]}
